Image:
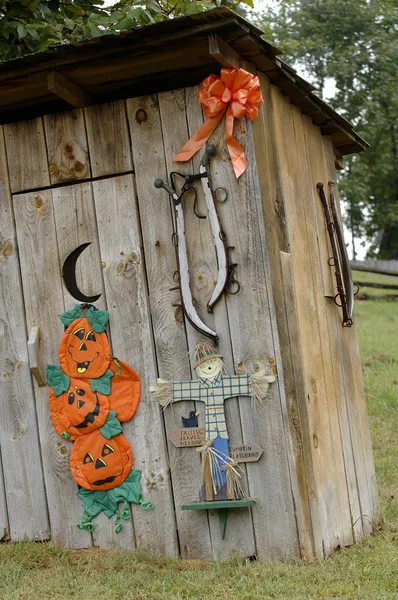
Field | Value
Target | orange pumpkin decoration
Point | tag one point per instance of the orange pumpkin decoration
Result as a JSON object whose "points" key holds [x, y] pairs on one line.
{"points": [[98, 463], [78, 411], [84, 353], [125, 391]]}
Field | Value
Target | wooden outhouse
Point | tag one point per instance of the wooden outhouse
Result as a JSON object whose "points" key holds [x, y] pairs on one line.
{"points": [[85, 130]]}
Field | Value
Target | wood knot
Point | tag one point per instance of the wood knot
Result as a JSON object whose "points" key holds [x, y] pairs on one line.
{"points": [[140, 115], [6, 249], [62, 449], [79, 167], [179, 314], [240, 368], [127, 265], [315, 440], [37, 201]]}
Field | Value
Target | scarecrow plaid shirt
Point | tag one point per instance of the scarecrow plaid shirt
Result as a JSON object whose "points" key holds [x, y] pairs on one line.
{"points": [[213, 392]]}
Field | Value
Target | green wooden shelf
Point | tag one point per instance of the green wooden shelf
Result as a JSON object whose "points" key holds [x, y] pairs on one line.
{"points": [[222, 506]]}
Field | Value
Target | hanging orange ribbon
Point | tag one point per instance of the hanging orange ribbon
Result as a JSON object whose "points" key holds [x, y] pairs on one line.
{"points": [[235, 93]]}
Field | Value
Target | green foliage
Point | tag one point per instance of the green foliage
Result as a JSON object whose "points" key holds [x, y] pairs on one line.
{"points": [[355, 42], [28, 26]]}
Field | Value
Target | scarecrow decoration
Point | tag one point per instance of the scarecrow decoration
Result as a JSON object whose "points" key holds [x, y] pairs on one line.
{"points": [[220, 475], [90, 395]]}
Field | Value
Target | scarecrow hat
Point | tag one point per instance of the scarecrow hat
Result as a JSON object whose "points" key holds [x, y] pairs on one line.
{"points": [[204, 352]]}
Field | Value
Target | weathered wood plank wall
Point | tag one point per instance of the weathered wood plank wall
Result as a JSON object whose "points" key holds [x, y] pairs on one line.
{"points": [[337, 463], [311, 482]]}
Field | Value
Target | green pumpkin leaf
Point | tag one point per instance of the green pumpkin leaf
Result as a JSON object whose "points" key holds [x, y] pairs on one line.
{"points": [[112, 426], [71, 315], [98, 319], [57, 379], [107, 501], [102, 385]]}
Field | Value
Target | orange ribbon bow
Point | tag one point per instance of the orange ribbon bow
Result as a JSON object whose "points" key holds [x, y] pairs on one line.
{"points": [[236, 93]]}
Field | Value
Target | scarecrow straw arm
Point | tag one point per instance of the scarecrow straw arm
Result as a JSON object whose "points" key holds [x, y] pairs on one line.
{"points": [[254, 385], [167, 392]]}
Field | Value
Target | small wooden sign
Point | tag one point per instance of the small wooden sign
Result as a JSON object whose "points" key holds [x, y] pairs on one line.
{"points": [[246, 453], [188, 436]]}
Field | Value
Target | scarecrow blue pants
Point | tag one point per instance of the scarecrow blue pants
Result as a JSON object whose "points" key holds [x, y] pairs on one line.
{"points": [[221, 447]]}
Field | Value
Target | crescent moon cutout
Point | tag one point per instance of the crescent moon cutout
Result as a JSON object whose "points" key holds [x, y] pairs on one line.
{"points": [[69, 276]]}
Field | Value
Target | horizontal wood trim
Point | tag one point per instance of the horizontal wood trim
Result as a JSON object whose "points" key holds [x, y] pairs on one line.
{"points": [[143, 61]]}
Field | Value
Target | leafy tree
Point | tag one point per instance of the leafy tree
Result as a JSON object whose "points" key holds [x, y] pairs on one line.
{"points": [[28, 26], [355, 42]]}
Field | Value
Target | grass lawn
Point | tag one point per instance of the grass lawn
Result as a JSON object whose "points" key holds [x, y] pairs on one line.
{"points": [[370, 571]]}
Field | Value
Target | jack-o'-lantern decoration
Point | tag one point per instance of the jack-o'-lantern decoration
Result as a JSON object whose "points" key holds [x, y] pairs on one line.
{"points": [[125, 390], [89, 396], [98, 463], [83, 352], [79, 410]]}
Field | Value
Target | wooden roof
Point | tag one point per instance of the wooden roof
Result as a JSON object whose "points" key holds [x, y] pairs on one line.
{"points": [[145, 60]]}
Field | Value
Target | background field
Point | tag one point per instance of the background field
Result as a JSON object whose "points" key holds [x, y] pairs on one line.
{"points": [[370, 571]]}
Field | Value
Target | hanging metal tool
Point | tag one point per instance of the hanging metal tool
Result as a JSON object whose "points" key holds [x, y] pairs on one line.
{"points": [[225, 270], [345, 264], [182, 259], [339, 259], [218, 234]]}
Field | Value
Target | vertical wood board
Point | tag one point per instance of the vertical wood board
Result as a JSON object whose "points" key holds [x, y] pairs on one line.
{"points": [[4, 527], [203, 275], [274, 215], [75, 222], [252, 331], [356, 402], [23, 473], [125, 284], [340, 443], [108, 138], [319, 427], [26, 155], [168, 328], [333, 319], [67, 146], [43, 295]]}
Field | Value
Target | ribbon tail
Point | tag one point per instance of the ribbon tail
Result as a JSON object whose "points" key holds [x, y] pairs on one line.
{"points": [[198, 140], [235, 150]]}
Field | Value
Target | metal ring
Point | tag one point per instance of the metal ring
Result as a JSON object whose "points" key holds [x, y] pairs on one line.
{"points": [[176, 276], [330, 263], [221, 194], [342, 298], [229, 286], [331, 227], [357, 286], [174, 240]]}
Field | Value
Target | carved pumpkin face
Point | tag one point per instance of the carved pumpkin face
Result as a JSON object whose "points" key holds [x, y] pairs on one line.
{"points": [[125, 391], [79, 410], [100, 464], [83, 353]]}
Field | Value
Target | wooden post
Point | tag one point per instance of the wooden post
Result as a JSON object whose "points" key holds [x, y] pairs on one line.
{"points": [[65, 89], [223, 53]]}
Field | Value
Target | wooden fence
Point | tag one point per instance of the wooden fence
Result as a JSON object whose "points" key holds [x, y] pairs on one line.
{"points": [[384, 267]]}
